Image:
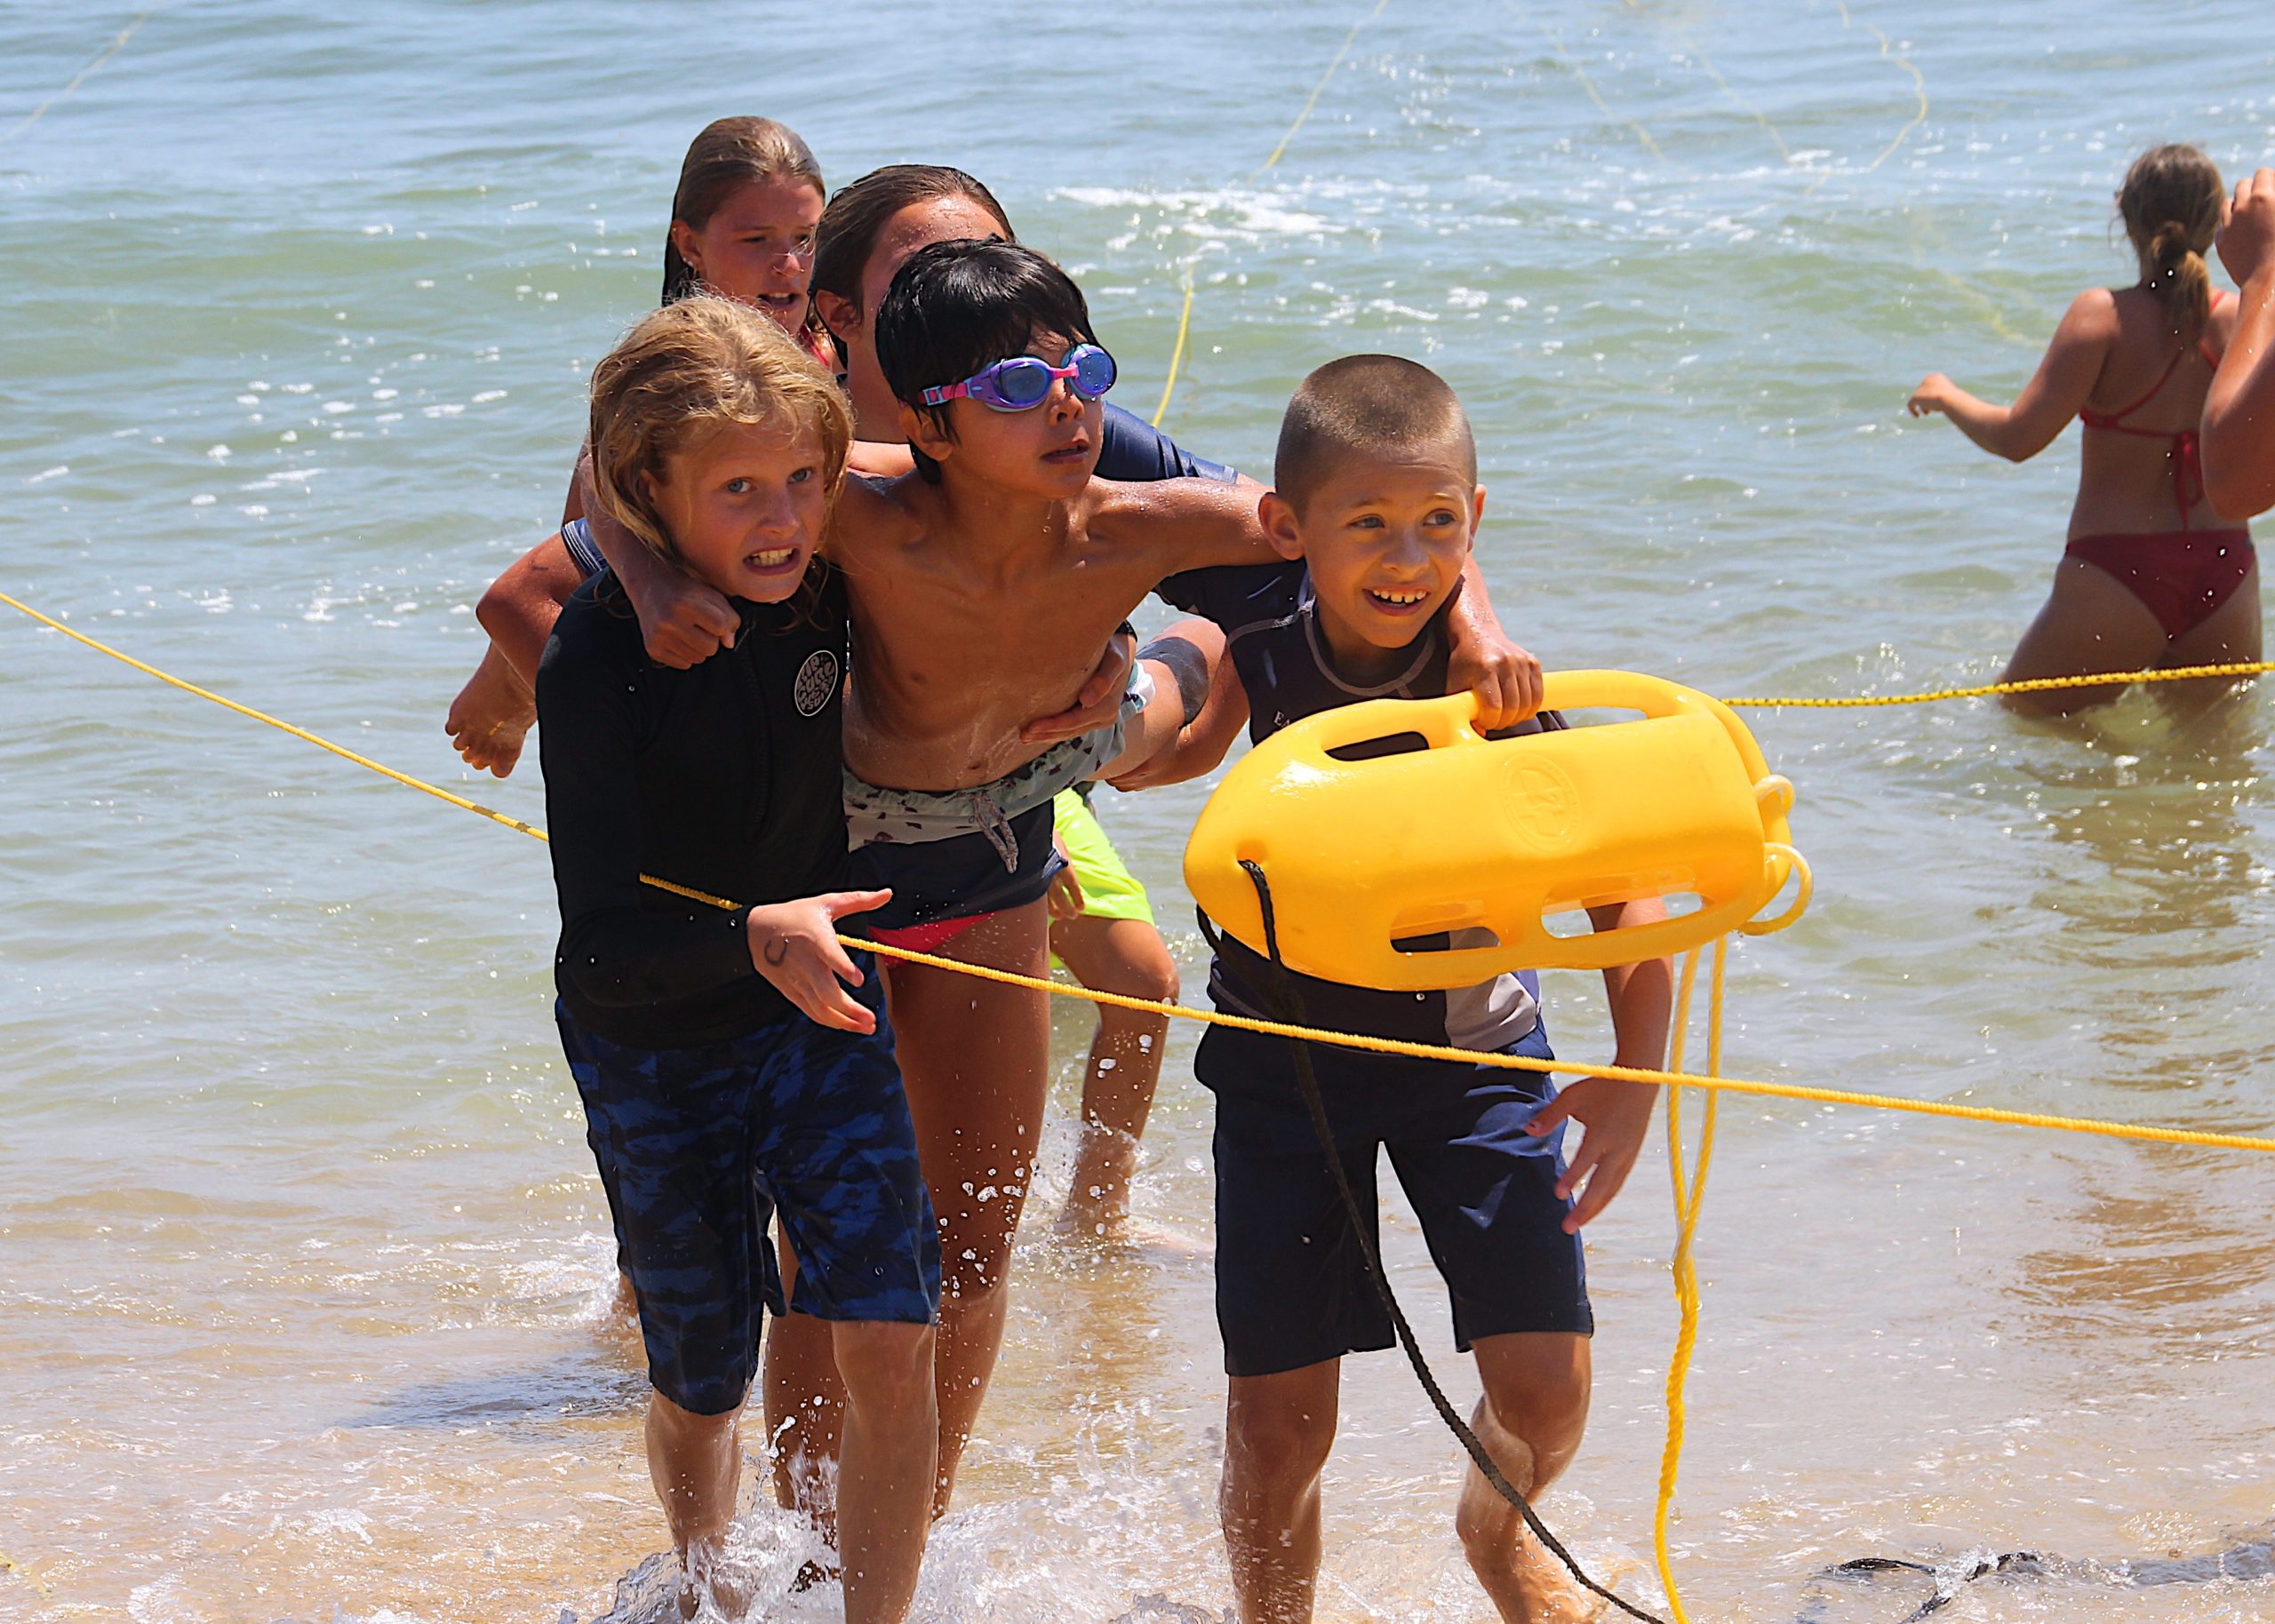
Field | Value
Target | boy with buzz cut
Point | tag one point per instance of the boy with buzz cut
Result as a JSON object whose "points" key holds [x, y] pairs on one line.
{"points": [[1376, 503]]}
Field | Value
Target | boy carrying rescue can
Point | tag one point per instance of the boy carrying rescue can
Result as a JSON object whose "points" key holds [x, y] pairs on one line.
{"points": [[1375, 507]]}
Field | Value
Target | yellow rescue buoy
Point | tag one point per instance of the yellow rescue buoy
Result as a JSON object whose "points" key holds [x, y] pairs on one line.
{"points": [[1486, 839]]}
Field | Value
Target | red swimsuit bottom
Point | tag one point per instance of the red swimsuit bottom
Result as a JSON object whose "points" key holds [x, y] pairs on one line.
{"points": [[2181, 576]]}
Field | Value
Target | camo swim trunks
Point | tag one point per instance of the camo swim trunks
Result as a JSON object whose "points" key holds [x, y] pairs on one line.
{"points": [[700, 1147]]}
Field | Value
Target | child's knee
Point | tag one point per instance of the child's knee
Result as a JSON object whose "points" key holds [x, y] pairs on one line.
{"points": [[884, 1364], [684, 1427], [976, 1249], [1138, 966], [1531, 1439], [1276, 1449], [1153, 978], [1537, 1384]]}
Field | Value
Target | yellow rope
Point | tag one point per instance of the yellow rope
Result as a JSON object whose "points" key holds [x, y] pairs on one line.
{"points": [[117, 44], [1184, 316], [1755, 112], [321, 743], [1602, 107], [2032, 685], [1311, 100], [1271, 1029], [1919, 89], [1689, 1194], [1177, 354]]}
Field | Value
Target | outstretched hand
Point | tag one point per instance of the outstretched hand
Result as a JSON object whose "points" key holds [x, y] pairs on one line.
{"points": [[1613, 1116], [794, 945], [1932, 395]]}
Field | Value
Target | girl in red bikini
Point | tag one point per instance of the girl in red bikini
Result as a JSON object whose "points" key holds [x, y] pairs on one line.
{"points": [[2153, 576]]}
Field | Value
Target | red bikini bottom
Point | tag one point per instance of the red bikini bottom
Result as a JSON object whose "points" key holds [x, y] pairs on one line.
{"points": [[929, 937], [2181, 576]]}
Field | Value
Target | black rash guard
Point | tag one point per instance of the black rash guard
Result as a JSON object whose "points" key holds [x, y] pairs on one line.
{"points": [[1131, 448], [1279, 653], [726, 778]]}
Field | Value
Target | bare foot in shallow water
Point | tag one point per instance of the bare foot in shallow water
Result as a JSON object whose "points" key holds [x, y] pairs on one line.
{"points": [[1081, 1227], [1098, 1199], [1097, 1213], [1548, 1591], [1540, 1590], [707, 1574], [491, 716]]}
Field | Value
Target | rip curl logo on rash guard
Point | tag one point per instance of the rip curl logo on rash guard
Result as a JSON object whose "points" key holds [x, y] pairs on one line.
{"points": [[817, 682]]}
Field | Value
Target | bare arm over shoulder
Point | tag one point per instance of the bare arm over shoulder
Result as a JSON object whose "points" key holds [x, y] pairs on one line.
{"points": [[2240, 412], [2054, 395], [1203, 740], [683, 622], [1197, 523], [1183, 524], [521, 605], [1505, 678], [879, 459]]}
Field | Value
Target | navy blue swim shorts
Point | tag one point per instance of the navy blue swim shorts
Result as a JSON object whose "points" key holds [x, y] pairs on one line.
{"points": [[1292, 1289], [937, 884], [700, 1147]]}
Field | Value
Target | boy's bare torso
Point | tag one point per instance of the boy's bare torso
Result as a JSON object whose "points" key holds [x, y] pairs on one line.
{"points": [[959, 639]]}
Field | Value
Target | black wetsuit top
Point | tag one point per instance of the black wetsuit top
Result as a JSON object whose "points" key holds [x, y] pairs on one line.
{"points": [[1131, 448], [1271, 631], [726, 778]]}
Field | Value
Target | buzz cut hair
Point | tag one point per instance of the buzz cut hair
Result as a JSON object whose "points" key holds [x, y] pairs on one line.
{"points": [[1367, 406]]}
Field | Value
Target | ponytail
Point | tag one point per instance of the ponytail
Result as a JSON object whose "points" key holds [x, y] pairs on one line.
{"points": [[2178, 276], [2171, 203]]}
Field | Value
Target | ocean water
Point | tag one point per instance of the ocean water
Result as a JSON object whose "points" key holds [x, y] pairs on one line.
{"points": [[303, 1299]]}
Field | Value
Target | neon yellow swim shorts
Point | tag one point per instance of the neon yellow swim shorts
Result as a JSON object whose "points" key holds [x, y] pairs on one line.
{"points": [[1110, 891]]}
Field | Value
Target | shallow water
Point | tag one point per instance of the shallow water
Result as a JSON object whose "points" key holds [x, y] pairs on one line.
{"points": [[304, 1310]]}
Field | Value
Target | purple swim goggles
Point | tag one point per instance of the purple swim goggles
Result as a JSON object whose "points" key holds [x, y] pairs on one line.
{"points": [[1024, 381]]}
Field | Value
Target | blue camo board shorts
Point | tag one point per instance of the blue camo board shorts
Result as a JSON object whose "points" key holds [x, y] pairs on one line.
{"points": [[699, 1147], [1292, 1285]]}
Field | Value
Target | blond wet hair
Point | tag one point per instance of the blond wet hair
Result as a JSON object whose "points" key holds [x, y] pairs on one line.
{"points": [[683, 373]]}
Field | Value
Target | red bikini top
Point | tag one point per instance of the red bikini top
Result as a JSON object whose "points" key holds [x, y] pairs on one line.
{"points": [[2187, 460]]}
